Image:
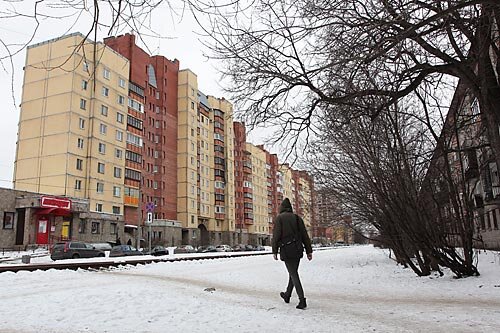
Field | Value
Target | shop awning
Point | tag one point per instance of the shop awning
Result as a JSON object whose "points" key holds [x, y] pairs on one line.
{"points": [[53, 211], [130, 226]]}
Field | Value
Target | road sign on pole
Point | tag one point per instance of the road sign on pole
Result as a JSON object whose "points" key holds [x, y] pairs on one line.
{"points": [[149, 218], [150, 207]]}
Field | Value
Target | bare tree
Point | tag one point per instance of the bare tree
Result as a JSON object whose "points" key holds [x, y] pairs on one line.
{"points": [[288, 60]]}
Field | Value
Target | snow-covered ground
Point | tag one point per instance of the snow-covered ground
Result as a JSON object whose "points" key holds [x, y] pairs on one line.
{"points": [[348, 289]]}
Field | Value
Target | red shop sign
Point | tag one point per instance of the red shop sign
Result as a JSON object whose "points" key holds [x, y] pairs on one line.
{"points": [[53, 202]]}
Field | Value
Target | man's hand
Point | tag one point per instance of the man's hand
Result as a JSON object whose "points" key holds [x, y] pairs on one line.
{"points": [[310, 256], [275, 256]]}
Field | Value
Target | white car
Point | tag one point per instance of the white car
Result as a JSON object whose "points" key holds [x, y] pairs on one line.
{"points": [[223, 248]]}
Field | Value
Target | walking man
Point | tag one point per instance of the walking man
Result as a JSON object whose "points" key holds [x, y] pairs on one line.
{"points": [[290, 237]]}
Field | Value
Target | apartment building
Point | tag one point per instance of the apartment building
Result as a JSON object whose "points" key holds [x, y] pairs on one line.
{"points": [[259, 229], [152, 124], [72, 127], [205, 184]]}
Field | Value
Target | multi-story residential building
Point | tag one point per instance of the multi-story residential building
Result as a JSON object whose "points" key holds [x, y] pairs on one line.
{"points": [[259, 229], [205, 165], [152, 126], [71, 128], [243, 173], [473, 184], [303, 201]]}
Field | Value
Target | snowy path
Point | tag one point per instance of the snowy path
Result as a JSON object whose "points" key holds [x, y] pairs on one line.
{"points": [[348, 290]]}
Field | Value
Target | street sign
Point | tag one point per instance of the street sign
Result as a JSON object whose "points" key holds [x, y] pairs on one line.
{"points": [[150, 207], [149, 218]]}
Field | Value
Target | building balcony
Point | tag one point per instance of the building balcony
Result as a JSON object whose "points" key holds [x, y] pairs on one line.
{"points": [[130, 201]]}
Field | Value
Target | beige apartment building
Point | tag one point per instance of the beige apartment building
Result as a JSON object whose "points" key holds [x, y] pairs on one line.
{"points": [[205, 187], [72, 122], [259, 230]]}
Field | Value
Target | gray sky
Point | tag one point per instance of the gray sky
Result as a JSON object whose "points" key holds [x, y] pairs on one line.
{"points": [[182, 43]]}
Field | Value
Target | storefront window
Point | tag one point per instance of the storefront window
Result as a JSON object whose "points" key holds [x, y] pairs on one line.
{"points": [[81, 226], [95, 228], [8, 220]]}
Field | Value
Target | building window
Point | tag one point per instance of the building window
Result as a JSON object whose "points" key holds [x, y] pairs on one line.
{"points": [[113, 227], [118, 153], [192, 105], [119, 135], [137, 106], [134, 157], [117, 191], [85, 84], [116, 210], [106, 73], [104, 110], [100, 167], [105, 91], [119, 117], [78, 184], [100, 187], [80, 143], [83, 104], [132, 174], [103, 129], [82, 226], [121, 82], [8, 220], [96, 226], [134, 139], [102, 148], [85, 66], [121, 99], [81, 123], [118, 172], [79, 164]]}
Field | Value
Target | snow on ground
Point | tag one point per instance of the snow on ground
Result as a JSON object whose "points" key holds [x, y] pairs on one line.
{"points": [[348, 289]]}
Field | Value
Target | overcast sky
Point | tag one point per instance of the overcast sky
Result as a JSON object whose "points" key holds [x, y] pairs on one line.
{"points": [[182, 43]]}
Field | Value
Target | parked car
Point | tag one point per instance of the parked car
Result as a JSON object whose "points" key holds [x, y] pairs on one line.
{"points": [[223, 248], [207, 248], [102, 246], [124, 250], [238, 248], [159, 251], [74, 250], [184, 249], [259, 248], [249, 247]]}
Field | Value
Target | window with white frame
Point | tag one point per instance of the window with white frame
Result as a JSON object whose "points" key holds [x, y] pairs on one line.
{"points": [[85, 66], [120, 117], [81, 123], [118, 153], [117, 191], [121, 82], [78, 184], [100, 167], [104, 110], [100, 187], [119, 135], [121, 99], [79, 164], [83, 104], [106, 73], [85, 84], [117, 172], [102, 148], [103, 128], [105, 91], [79, 143]]}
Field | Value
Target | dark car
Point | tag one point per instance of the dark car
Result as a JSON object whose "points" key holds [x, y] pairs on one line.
{"points": [[238, 248], [260, 248], [124, 250], [184, 249], [249, 247], [74, 250], [207, 248], [159, 251]]}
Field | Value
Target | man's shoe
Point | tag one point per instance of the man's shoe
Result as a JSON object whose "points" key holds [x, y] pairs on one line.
{"points": [[302, 304], [285, 297]]}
